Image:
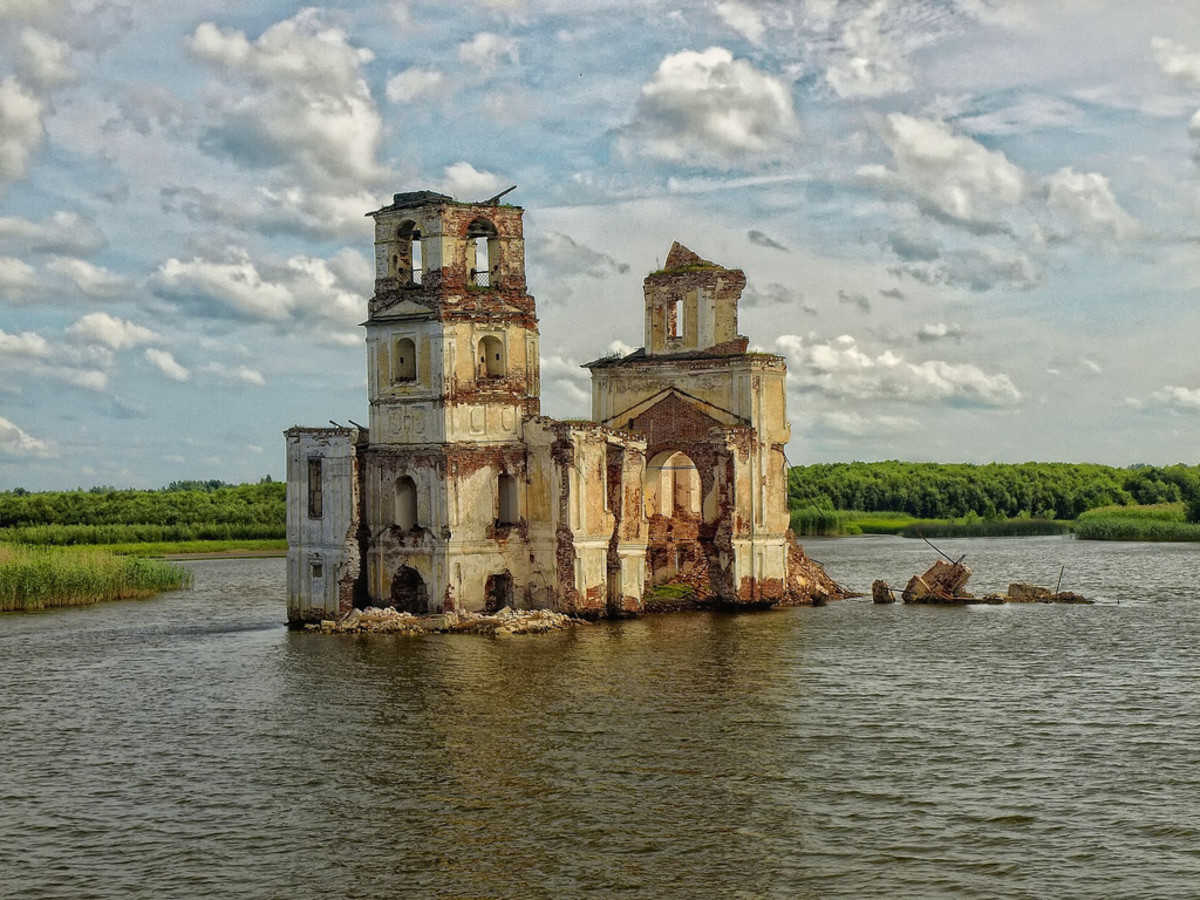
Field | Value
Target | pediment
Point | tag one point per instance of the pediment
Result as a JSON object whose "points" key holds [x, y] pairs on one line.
{"points": [[405, 307], [674, 417]]}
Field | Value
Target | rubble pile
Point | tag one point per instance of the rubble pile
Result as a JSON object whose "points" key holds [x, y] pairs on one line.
{"points": [[390, 621], [946, 582]]}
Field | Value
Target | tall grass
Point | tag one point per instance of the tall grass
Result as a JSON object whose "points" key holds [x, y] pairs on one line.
{"points": [[77, 535], [39, 577], [968, 527], [1158, 522]]}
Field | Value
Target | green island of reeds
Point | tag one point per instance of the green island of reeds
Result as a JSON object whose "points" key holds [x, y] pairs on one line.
{"points": [[1157, 522], [33, 578]]}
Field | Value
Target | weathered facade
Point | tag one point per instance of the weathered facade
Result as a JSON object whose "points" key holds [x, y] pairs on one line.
{"points": [[465, 498]]}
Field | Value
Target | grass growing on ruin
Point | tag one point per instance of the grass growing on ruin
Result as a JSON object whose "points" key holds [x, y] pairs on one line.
{"points": [[1156, 522], [41, 577]]}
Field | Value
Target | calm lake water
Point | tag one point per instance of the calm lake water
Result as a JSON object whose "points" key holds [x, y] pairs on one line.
{"points": [[190, 746]]}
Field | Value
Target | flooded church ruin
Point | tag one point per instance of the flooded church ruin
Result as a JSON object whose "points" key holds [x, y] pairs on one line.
{"points": [[460, 495]]}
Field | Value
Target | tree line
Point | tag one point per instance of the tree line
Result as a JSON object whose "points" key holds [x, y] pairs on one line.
{"points": [[244, 510], [995, 490]]}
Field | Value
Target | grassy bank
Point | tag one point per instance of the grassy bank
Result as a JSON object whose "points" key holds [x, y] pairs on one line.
{"points": [[1157, 522], [813, 522], [40, 577], [197, 548]]}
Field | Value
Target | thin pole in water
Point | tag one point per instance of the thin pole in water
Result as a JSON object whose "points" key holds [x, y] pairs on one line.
{"points": [[1060, 575]]}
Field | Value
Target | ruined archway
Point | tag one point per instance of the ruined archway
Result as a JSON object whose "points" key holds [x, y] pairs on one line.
{"points": [[409, 593], [678, 544], [498, 591]]}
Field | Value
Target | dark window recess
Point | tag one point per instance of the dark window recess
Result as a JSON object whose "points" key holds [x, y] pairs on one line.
{"points": [[315, 497]]}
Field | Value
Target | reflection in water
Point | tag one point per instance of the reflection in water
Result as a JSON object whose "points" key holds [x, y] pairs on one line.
{"points": [[191, 745]]}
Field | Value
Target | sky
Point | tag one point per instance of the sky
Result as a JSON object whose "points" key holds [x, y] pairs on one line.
{"points": [[968, 225]]}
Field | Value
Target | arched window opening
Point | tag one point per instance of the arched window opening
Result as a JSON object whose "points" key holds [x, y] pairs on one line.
{"points": [[409, 593], [483, 254], [491, 357], [406, 503], [404, 361], [507, 506], [672, 487], [498, 591], [405, 262]]}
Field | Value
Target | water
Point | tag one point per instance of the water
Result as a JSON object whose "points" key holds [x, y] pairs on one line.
{"points": [[190, 745]]}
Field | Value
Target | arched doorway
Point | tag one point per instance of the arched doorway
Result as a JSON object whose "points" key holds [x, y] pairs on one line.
{"points": [[409, 593], [672, 486], [499, 591], [676, 553]]}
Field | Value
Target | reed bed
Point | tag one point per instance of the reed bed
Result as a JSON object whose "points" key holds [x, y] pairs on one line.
{"points": [[39, 577], [1157, 522]]}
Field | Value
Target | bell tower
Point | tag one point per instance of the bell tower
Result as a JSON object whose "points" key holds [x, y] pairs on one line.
{"points": [[452, 334], [452, 376]]}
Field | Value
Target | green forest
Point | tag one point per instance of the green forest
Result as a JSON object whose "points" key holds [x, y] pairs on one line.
{"points": [[183, 511]]}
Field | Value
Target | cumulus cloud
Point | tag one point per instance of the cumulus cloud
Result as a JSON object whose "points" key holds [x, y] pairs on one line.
{"points": [[979, 269], [19, 444], [292, 209], [707, 106], [566, 257], [869, 63], [109, 331], [568, 377], [1086, 201], [165, 363], [743, 19], [44, 60], [464, 181], [951, 175], [18, 280], [487, 52], [841, 370], [91, 280], [63, 232], [21, 130], [928, 334], [415, 84], [27, 344], [301, 292], [1176, 399], [854, 424], [309, 108], [234, 374], [1176, 60]]}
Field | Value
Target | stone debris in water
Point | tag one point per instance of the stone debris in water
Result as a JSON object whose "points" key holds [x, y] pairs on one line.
{"points": [[945, 582], [390, 621]]}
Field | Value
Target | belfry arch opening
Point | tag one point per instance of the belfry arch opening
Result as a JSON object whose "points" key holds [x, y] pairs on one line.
{"points": [[483, 254], [491, 357], [404, 264], [406, 503]]}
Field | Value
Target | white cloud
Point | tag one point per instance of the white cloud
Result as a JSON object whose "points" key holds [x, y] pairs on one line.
{"points": [[707, 106], [487, 52], [26, 344], [165, 363], [310, 108], [64, 232], [1178, 399], [951, 174], [570, 380], [415, 84], [1176, 60], [301, 292], [869, 63], [18, 280], [14, 442], [235, 374], [743, 19], [854, 424], [91, 280], [566, 258], [977, 268], [940, 332], [841, 370], [44, 59], [111, 332], [21, 129], [464, 182], [1086, 200]]}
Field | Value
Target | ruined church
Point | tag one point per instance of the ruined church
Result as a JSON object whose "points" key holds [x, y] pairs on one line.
{"points": [[460, 495]]}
